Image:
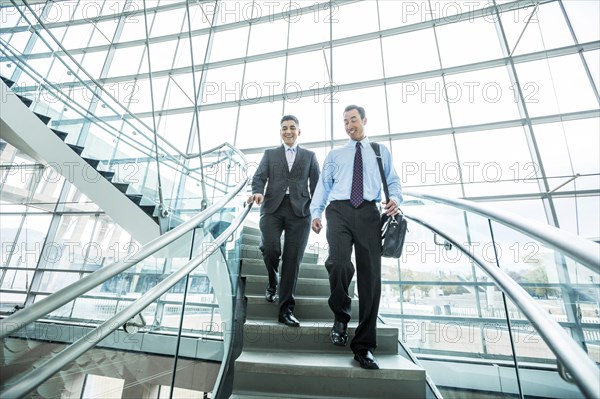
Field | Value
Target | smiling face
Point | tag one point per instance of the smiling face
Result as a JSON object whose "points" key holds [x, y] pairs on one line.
{"points": [[289, 132], [354, 125]]}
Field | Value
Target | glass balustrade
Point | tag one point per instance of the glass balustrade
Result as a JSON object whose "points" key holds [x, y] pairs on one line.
{"points": [[177, 340], [448, 308]]}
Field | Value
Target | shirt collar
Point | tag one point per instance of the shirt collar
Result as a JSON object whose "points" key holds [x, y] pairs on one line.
{"points": [[365, 142], [294, 147]]}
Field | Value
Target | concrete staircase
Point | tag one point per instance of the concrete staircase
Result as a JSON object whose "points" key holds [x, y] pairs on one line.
{"points": [[285, 362]]}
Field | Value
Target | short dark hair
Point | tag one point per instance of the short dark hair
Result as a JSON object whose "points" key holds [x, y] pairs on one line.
{"points": [[361, 110], [289, 118]]}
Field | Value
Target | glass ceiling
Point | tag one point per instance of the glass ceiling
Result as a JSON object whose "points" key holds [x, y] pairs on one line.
{"points": [[495, 101]]}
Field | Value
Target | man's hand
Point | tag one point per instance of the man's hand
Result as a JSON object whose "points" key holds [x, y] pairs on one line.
{"points": [[257, 198], [391, 208], [316, 225]]}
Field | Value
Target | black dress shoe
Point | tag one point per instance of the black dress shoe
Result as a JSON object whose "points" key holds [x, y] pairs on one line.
{"points": [[289, 319], [339, 333], [366, 359], [271, 294]]}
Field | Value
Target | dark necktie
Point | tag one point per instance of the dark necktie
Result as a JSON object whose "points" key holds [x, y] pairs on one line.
{"points": [[356, 195]]}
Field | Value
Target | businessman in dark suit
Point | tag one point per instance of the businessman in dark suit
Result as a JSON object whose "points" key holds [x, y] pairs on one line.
{"points": [[284, 184]]}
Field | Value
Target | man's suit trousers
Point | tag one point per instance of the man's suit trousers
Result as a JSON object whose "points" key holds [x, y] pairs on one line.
{"points": [[359, 227]]}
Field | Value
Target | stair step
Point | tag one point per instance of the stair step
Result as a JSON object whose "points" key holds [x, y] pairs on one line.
{"points": [[121, 186], [256, 267], [250, 239], [254, 231], [78, 149], [7, 81], [148, 209], [136, 198], [307, 308], [252, 252], [311, 336], [45, 119], [92, 162], [61, 135], [255, 285], [25, 100], [107, 174], [316, 374]]}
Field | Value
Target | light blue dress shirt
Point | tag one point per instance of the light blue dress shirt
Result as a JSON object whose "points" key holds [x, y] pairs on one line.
{"points": [[335, 182]]}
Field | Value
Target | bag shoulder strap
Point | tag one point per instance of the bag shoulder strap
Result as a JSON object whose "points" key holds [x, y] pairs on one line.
{"points": [[376, 148]]}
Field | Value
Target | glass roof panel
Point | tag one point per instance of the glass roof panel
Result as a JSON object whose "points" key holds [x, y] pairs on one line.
{"points": [[410, 52]]}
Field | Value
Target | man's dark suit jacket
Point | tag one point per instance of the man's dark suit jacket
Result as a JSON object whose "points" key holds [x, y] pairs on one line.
{"points": [[274, 173]]}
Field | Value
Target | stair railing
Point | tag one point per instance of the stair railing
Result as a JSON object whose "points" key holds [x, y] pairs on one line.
{"points": [[69, 293], [570, 354], [581, 250], [43, 372]]}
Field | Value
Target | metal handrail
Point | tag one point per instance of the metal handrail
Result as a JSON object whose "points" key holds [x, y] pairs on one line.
{"points": [[584, 370], [67, 294], [581, 250], [43, 372]]}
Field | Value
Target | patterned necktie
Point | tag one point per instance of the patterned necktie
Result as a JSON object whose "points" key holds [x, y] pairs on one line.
{"points": [[289, 154], [356, 195]]}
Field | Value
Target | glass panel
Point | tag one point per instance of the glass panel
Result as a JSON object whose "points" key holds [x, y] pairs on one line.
{"points": [[256, 115], [269, 36], [565, 150], [547, 29], [347, 70], [222, 84], [309, 27], [122, 62], [264, 79], [580, 13], [497, 158], [167, 22], [229, 44], [417, 105], [556, 85], [307, 71], [481, 96], [399, 13], [468, 42], [426, 161], [104, 33], [354, 19], [580, 215], [418, 52], [217, 126]]}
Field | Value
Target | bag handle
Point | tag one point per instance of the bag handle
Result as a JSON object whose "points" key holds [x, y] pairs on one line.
{"points": [[376, 148], [386, 190]]}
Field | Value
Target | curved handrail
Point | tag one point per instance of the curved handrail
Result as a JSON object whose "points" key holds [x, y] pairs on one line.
{"points": [[43, 372], [67, 294], [581, 250], [583, 369]]}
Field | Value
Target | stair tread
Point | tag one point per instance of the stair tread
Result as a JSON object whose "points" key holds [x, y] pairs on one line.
{"points": [[301, 280], [313, 328], [392, 367]]}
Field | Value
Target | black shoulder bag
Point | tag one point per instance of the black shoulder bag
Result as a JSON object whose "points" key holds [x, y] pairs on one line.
{"points": [[393, 229]]}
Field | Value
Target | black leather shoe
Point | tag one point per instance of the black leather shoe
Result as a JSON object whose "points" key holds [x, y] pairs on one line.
{"points": [[339, 333], [289, 319], [271, 294], [366, 359]]}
